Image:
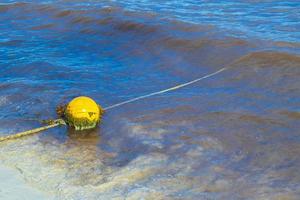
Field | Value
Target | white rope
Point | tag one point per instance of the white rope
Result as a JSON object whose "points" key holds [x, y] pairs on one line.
{"points": [[167, 90]]}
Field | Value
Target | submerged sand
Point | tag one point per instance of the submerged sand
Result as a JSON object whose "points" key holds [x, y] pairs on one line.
{"points": [[13, 187]]}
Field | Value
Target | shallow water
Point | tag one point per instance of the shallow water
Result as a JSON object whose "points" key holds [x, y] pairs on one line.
{"points": [[232, 136]]}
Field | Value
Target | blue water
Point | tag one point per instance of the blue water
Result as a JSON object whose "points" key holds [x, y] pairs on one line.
{"points": [[271, 20], [232, 136]]}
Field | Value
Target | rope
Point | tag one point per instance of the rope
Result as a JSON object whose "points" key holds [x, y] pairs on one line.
{"points": [[167, 90], [57, 122]]}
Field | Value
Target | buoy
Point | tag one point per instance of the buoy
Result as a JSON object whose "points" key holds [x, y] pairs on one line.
{"points": [[83, 113]]}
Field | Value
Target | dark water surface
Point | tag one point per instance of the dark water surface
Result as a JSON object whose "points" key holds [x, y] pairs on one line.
{"points": [[232, 136]]}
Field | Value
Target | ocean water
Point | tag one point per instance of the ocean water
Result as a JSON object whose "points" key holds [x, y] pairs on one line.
{"points": [[232, 136]]}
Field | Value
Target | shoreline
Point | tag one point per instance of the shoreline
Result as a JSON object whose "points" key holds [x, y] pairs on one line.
{"points": [[13, 187]]}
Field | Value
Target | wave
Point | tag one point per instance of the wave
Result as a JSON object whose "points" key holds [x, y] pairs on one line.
{"points": [[269, 59], [11, 6], [169, 33]]}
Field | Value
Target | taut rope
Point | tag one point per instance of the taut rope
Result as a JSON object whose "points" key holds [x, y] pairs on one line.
{"points": [[55, 123], [166, 90]]}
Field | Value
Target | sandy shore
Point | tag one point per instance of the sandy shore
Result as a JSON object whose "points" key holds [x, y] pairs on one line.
{"points": [[13, 187]]}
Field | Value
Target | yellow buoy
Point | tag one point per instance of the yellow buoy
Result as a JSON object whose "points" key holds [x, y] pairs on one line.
{"points": [[83, 113]]}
